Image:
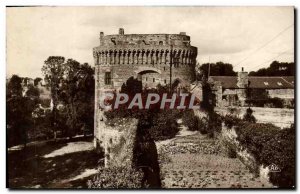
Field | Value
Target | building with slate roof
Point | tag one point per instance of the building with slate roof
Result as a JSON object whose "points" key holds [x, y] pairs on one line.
{"points": [[231, 90]]}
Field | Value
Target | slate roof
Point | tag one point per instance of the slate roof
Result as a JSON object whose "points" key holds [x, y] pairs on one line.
{"points": [[230, 82]]}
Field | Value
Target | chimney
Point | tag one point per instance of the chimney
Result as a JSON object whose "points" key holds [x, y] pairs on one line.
{"points": [[182, 33], [101, 38], [242, 80], [121, 31]]}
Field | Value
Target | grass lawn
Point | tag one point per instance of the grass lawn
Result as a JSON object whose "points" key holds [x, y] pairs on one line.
{"points": [[36, 167]]}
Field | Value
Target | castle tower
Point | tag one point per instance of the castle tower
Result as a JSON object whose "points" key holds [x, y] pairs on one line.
{"points": [[151, 58]]}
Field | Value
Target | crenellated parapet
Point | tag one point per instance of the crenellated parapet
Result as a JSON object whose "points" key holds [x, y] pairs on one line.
{"points": [[145, 56]]}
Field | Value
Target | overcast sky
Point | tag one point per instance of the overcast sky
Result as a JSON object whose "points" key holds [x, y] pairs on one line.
{"points": [[249, 37]]}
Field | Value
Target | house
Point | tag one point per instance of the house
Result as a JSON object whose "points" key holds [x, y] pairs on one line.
{"points": [[234, 90]]}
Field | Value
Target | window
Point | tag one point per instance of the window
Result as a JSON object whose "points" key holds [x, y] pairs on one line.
{"points": [[146, 78], [153, 79], [161, 43], [165, 81], [107, 78], [279, 83], [266, 83]]}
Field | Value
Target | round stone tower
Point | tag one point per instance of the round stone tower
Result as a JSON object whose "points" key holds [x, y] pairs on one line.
{"points": [[152, 58]]}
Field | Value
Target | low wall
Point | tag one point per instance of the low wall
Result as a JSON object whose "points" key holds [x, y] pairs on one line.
{"points": [[280, 117], [229, 138], [118, 142]]}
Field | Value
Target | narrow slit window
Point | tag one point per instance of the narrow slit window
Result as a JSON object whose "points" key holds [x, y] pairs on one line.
{"points": [[107, 78]]}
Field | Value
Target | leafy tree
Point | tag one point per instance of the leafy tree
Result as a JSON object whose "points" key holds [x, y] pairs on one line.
{"points": [[18, 112], [77, 93], [276, 69], [37, 80], [217, 69], [53, 72], [14, 87], [33, 92]]}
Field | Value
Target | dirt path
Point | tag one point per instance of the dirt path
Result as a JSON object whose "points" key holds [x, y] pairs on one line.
{"points": [[194, 161], [53, 165]]}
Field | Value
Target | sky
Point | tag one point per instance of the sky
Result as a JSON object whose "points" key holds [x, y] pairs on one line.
{"points": [[249, 37]]}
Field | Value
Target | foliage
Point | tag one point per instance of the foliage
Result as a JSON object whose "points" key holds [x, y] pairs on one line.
{"points": [[14, 87], [217, 69], [77, 94], [190, 120], [203, 125], [117, 177], [71, 84], [280, 150], [214, 124], [276, 69], [36, 81], [32, 92], [270, 145], [249, 116], [18, 112], [260, 98], [165, 125]]}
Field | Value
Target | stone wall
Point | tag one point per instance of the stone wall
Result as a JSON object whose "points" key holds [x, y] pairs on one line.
{"points": [[117, 141], [229, 138]]}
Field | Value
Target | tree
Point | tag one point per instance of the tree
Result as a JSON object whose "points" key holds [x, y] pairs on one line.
{"points": [[18, 112], [217, 69], [33, 92], [37, 80], [77, 93], [53, 72], [14, 87], [276, 69]]}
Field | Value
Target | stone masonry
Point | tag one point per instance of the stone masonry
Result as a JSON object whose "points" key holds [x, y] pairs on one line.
{"points": [[151, 58]]}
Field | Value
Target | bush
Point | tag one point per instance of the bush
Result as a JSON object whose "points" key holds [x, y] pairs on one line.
{"points": [[214, 124], [117, 177], [270, 145], [165, 125], [249, 117], [190, 120], [203, 125]]}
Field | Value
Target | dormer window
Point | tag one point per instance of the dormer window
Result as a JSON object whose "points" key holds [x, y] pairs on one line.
{"points": [[279, 83], [266, 83]]}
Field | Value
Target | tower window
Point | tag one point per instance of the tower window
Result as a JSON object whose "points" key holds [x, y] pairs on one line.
{"points": [[165, 81], [107, 78], [153, 79], [146, 78]]}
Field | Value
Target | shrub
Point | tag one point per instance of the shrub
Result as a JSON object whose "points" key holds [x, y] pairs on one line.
{"points": [[280, 150], [249, 117], [203, 125], [165, 125], [214, 124], [190, 120], [117, 177], [270, 145]]}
